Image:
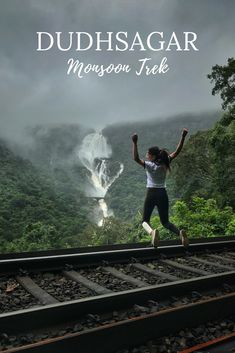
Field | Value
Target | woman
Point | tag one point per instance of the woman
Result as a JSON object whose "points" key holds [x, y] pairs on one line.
{"points": [[156, 166]]}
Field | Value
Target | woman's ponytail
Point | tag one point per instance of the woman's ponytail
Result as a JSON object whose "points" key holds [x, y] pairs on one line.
{"points": [[160, 156], [164, 158]]}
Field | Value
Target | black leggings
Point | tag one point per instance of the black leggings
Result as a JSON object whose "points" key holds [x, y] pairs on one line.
{"points": [[158, 197]]}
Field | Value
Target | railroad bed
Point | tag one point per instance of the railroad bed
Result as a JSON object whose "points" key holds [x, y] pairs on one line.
{"points": [[90, 299], [212, 337]]}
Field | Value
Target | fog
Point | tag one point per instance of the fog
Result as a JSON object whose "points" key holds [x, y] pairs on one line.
{"points": [[35, 87]]}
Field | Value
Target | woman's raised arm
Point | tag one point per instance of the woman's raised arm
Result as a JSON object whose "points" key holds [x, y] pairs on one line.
{"points": [[135, 153], [180, 145]]}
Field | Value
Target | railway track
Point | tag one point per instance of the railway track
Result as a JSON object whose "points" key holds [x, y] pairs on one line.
{"points": [[89, 300]]}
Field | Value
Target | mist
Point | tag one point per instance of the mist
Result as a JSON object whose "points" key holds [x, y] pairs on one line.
{"points": [[36, 91]]}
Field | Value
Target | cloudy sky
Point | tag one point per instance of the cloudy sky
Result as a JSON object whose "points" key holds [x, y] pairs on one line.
{"points": [[35, 87]]}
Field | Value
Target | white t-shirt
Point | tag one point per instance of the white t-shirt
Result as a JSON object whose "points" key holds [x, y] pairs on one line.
{"points": [[156, 174]]}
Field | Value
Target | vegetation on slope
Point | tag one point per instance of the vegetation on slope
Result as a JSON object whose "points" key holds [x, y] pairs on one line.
{"points": [[43, 205]]}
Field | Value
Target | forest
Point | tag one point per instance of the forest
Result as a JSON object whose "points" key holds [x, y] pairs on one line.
{"points": [[43, 205]]}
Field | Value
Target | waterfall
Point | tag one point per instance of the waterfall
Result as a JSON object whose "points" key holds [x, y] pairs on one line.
{"points": [[94, 154]]}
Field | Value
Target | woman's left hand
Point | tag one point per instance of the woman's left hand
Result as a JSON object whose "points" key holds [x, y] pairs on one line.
{"points": [[184, 132], [134, 138]]}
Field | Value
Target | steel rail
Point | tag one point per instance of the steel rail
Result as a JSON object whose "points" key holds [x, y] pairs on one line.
{"points": [[54, 262], [112, 337], [218, 345], [57, 313], [98, 248]]}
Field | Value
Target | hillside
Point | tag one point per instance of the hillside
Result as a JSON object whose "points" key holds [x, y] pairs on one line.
{"points": [[29, 199], [55, 150], [126, 195], [43, 204], [211, 171], [43, 193]]}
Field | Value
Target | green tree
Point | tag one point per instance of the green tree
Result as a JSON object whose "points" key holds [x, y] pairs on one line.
{"points": [[113, 231], [224, 79], [222, 141], [36, 236], [223, 135], [201, 218], [193, 169], [206, 166]]}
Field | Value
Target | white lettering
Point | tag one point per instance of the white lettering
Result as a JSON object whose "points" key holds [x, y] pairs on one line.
{"points": [[58, 34], [99, 40], [161, 42], [84, 34], [173, 41], [155, 69], [187, 41], [79, 68], [122, 41], [39, 48], [137, 41]]}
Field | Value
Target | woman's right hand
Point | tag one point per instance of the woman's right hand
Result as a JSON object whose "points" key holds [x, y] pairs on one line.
{"points": [[134, 138]]}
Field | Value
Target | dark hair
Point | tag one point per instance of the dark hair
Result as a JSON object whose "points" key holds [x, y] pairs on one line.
{"points": [[161, 156], [154, 151], [164, 158]]}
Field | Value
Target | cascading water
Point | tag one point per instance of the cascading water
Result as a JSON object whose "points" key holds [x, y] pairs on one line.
{"points": [[94, 154]]}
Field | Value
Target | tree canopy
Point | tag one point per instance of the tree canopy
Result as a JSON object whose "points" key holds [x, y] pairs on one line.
{"points": [[224, 79]]}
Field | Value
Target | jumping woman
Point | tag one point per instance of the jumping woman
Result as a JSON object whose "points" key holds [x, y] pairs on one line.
{"points": [[156, 166]]}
